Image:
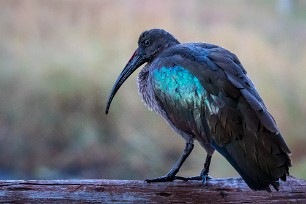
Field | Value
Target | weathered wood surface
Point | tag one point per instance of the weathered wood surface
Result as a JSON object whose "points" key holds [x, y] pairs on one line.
{"points": [[229, 190]]}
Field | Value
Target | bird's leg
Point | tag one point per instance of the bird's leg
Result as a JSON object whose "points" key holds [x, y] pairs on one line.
{"points": [[204, 173], [170, 176]]}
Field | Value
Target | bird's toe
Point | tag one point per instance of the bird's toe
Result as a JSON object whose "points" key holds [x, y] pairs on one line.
{"points": [[205, 177]]}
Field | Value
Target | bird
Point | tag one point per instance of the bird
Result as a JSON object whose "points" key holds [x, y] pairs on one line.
{"points": [[204, 93]]}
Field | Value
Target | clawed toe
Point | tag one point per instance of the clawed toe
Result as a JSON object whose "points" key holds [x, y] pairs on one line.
{"points": [[205, 178], [166, 178], [202, 178], [194, 178]]}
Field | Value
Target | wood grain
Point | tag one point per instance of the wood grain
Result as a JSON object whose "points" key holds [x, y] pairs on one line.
{"points": [[226, 190]]}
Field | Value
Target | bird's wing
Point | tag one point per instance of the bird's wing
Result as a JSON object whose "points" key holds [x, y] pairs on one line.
{"points": [[242, 129]]}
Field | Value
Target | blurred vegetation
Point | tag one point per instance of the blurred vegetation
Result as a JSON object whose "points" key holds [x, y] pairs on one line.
{"points": [[59, 60]]}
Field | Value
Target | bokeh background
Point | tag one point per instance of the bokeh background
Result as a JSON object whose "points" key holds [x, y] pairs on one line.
{"points": [[59, 60]]}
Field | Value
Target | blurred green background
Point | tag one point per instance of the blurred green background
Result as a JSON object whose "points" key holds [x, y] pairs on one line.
{"points": [[59, 60]]}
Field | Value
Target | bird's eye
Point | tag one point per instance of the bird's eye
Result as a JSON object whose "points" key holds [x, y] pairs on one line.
{"points": [[147, 43]]}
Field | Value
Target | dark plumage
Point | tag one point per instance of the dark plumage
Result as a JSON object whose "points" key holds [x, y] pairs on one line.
{"points": [[204, 93]]}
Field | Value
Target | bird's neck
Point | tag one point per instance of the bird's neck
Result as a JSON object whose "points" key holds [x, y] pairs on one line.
{"points": [[143, 84]]}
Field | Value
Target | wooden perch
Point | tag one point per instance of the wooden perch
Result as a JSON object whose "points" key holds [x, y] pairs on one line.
{"points": [[217, 190]]}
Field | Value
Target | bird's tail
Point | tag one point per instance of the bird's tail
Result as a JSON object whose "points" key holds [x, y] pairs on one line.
{"points": [[260, 163]]}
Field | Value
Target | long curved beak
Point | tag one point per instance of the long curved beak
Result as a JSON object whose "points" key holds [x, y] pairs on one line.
{"points": [[136, 61]]}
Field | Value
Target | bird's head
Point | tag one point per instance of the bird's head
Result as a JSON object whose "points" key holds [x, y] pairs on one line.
{"points": [[150, 44]]}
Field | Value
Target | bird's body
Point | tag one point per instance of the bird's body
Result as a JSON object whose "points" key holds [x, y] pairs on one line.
{"points": [[178, 96], [204, 93]]}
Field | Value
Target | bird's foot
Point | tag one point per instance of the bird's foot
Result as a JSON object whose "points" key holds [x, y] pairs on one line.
{"points": [[203, 178], [166, 178]]}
